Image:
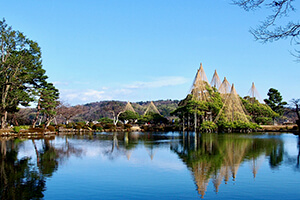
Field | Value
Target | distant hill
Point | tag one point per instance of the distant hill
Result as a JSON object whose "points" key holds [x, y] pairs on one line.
{"points": [[96, 110]]}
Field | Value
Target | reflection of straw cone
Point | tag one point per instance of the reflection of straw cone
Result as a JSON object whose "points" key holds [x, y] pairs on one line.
{"points": [[227, 174], [201, 177], [151, 153], [128, 154], [218, 179], [238, 155], [255, 166]]}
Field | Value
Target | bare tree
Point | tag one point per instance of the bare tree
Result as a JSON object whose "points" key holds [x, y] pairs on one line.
{"points": [[67, 111], [296, 103], [272, 29]]}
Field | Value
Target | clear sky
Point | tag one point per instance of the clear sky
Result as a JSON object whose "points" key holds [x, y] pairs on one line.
{"points": [[137, 50]]}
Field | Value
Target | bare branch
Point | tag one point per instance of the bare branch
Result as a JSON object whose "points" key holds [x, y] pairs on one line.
{"points": [[268, 30]]}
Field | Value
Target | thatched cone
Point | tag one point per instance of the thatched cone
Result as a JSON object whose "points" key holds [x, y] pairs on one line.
{"points": [[215, 81], [129, 107], [200, 85], [233, 109], [151, 109]]}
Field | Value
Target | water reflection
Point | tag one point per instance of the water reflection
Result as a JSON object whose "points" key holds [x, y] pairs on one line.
{"points": [[212, 159], [216, 158], [19, 179], [24, 178]]}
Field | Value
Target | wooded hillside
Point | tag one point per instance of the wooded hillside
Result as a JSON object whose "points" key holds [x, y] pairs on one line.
{"points": [[96, 110]]}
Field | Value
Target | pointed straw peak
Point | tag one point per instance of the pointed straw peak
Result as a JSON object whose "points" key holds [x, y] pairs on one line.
{"points": [[225, 87], [152, 108], [233, 91], [215, 81], [253, 93], [129, 107]]}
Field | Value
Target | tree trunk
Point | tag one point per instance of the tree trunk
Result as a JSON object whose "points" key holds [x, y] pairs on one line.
{"points": [[40, 122], [188, 121], [183, 122], [298, 115], [3, 108], [15, 121], [37, 114], [48, 122], [195, 122], [3, 119]]}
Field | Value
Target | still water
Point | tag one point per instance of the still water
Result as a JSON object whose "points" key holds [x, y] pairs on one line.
{"points": [[151, 166]]}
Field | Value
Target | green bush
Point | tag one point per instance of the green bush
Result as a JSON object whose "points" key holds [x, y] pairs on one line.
{"points": [[97, 127], [109, 126], [78, 127], [127, 126], [264, 120], [18, 128], [82, 124], [36, 129], [61, 125], [207, 125], [105, 120], [70, 125], [51, 128]]}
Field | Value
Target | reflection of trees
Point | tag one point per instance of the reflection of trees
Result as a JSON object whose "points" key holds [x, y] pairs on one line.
{"points": [[120, 144], [50, 156], [48, 159], [291, 160], [298, 157], [19, 179], [276, 156], [218, 157], [24, 179]]}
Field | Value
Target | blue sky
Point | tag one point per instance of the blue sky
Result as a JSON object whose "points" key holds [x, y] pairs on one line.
{"points": [[135, 50]]}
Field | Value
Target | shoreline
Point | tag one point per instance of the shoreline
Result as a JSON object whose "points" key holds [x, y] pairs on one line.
{"points": [[23, 133]]}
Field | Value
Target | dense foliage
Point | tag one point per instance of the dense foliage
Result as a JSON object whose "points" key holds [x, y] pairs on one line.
{"points": [[260, 113], [275, 101], [21, 72]]}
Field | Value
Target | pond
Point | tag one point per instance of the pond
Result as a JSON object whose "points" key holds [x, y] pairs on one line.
{"points": [[151, 166]]}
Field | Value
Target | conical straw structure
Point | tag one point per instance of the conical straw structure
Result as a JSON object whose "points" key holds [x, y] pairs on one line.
{"points": [[151, 108], [215, 82], [233, 109], [225, 87], [253, 93], [129, 107], [200, 85]]}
